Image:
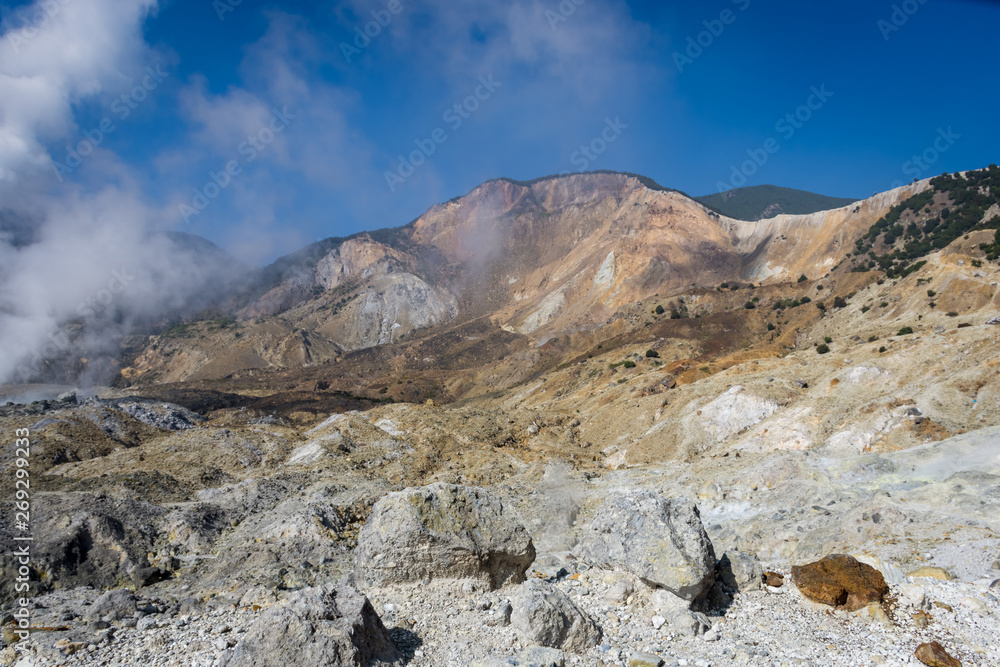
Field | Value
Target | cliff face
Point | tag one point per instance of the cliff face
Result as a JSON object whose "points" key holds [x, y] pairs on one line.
{"points": [[560, 255]]}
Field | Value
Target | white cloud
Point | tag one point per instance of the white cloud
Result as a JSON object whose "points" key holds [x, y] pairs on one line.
{"points": [[80, 49]]}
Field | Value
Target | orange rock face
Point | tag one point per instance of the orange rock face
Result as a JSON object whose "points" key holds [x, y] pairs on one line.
{"points": [[840, 581]]}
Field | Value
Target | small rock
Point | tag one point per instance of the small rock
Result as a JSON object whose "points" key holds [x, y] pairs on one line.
{"points": [[933, 654], [929, 572], [639, 659], [996, 565], [975, 605], [658, 622], [619, 591], [689, 623], [912, 595], [500, 617], [711, 636], [532, 657], [67, 397], [877, 614], [774, 579], [146, 623]]}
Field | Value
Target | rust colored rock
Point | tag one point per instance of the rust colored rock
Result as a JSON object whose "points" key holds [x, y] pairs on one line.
{"points": [[933, 654], [774, 579], [840, 581]]}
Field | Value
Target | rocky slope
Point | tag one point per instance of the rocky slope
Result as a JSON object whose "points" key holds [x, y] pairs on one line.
{"points": [[635, 476]]}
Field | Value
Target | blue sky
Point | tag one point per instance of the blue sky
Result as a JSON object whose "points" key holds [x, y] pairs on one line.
{"points": [[885, 81]]}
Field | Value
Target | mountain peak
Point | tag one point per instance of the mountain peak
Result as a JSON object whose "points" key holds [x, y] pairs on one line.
{"points": [[759, 202]]}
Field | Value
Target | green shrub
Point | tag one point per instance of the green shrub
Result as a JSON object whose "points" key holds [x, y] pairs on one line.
{"points": [[905, 331], [827, 340], [822, 349], [882, 349], [659, 310], [770, 326], [803, 278], [652, 354], [931, 293]]}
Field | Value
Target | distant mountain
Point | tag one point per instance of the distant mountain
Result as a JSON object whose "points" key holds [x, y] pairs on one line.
{"points": [[760, 202], [529, 261]]}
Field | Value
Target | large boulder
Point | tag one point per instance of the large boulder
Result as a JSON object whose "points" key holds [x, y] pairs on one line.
{"points": [[662, 541], [328, 626], [545, 615], [840, 581], [113, 606], [442, 531]]}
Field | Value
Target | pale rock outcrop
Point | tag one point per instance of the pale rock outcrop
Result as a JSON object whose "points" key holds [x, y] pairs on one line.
{"points": [[734, 411], [360, 258], [388, 307]]}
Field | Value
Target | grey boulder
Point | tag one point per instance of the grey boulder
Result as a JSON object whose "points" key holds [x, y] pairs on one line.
{"points": [[113, 606], [740, 571], [442, 531], [660, 540], [327, 626], [545, 615]]}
